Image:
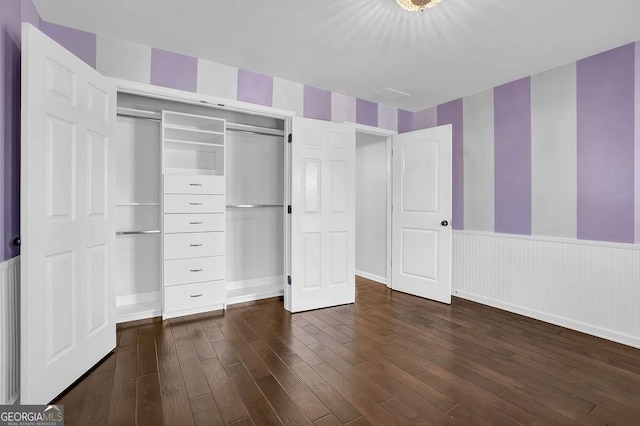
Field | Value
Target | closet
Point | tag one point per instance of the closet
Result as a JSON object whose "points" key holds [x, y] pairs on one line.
{"points": [[200, 207]]}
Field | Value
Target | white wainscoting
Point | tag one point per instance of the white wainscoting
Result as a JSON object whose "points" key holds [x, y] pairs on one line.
{"points": [[586, 286], [9, 331]]}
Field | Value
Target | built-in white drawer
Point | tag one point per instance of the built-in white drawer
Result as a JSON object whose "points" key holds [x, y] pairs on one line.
{"points": [[192, 296], [180, 203], [199, 269], [198, 244], [175, 223], [193, 184]]}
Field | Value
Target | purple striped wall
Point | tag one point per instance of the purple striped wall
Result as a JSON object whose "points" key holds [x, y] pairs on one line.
{"points": [[406, 121], [606, 137], [451, 113], [512, 157], [13, 13], [173, 70], [427, 118], [366, 112], [317, 103], [255, 88], [80, 43]]}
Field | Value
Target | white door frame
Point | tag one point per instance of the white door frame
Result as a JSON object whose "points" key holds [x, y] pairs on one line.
{"points": [[388, 134], [164, 93]]}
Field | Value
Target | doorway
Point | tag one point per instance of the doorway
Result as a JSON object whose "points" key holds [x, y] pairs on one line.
{"points": [[373, 204]]}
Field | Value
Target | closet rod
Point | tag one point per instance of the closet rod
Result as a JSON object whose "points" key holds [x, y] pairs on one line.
{"points": [[252, 206], [137, 232], [121, 114]]}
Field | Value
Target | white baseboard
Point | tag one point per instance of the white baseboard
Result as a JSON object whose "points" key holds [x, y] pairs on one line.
{"points": [[554, 319], [587, 286], [138, 298], [372, 277], [254, 289]]}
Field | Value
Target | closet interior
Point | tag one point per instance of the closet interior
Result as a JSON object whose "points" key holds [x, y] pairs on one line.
{"points": [[200, 207]]}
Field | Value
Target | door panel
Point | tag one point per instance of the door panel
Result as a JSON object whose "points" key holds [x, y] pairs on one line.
{"points": [[421, 245], [67, 223], [323, 215]]}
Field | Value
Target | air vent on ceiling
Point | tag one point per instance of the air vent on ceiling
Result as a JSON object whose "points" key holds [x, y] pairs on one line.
{"points": [[390, 93]]}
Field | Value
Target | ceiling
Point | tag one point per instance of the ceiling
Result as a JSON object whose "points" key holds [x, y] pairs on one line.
{"points": [[356, 47]]}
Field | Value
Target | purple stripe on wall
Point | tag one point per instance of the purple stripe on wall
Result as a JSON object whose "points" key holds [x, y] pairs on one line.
{"points": [[317, 103], [406, 121], [29, 13], [174, 70], [255, 88], [9, 127], [80, 43], [605, 88], [427, 118], [366, 112], [451, 113], [512, 157]]}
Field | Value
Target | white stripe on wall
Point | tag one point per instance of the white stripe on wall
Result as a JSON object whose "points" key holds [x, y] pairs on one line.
{"points": [[554, 153], [217, 79], [587, 286], [120, 59], [478, 162], [343, 108], [387, 117], [288, 95]]}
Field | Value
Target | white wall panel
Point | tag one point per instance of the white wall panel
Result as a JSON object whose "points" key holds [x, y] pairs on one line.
{"points": [[589, 287], [343, 108], [217, 80], [478, 162], [554, 153], [9, 330], [288, 95], [120, 59]]}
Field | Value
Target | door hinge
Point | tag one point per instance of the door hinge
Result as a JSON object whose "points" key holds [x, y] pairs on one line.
{"points": [[289, 209], [290, 137], [289, 279]]}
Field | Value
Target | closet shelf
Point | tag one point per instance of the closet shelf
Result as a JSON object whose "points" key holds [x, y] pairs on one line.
{"points": [[125, 204], [192, 146], [189, 171], [192, 135], [254, 129]]}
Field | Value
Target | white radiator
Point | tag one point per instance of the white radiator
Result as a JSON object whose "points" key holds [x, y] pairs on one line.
{"points": [[9, 330], [587, 286]]}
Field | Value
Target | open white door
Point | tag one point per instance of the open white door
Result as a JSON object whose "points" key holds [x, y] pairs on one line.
{"points": [[323, 215], [421, 248], [67, 298]]}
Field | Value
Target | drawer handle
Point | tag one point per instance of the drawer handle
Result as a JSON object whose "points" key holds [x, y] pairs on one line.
{"points": [[195, 245], [195, 223], [195, 184], [196, 295], [195, 204], [196, 270]]}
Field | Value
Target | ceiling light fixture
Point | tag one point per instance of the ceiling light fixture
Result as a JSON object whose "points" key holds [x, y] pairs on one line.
{"points": [[417, 5]]}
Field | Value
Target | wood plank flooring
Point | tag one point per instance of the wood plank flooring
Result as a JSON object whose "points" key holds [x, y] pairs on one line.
{"points": [[389, 359]]}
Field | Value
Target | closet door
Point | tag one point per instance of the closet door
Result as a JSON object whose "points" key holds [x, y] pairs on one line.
{"points": [[323, 215], [67, 218]]}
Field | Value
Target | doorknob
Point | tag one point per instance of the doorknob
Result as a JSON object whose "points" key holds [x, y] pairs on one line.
{"points": [[444, 223]]}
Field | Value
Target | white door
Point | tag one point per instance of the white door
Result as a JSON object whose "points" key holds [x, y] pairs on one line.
{"points": [[323, 215], [67, 218], [421, 241]]}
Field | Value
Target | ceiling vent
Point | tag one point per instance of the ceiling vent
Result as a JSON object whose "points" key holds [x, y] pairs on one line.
{"points": [[390, 93]]}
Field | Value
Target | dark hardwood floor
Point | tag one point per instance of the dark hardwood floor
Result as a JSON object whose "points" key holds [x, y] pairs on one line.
{"points": [[389, 359]]}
